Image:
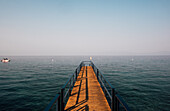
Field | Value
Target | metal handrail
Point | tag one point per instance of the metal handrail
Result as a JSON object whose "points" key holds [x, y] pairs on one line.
{"points": [[69, 80], [122, 102], [112, 97], [60, 98], [105, 89], [53, 101]]}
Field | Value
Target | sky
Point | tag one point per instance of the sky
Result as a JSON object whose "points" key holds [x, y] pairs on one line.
{"points": [[84, 27]]}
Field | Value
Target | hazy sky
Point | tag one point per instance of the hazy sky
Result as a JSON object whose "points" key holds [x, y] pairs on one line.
{"points": [[84, 27]]}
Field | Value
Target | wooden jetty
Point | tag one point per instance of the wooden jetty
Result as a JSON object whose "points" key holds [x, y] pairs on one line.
{"points": [[87, 93], [87, 90]]}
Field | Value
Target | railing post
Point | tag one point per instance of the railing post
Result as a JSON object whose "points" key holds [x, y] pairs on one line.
{"points": [[98, 74], [62, 99], [70, 88], [104, 88], [113, 100], [80, 66], [73, 81], [93, 66], [76, 74], [117, 105], [58, 104]]}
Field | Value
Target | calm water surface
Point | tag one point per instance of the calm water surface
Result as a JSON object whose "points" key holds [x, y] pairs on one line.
{"points": [[29, 83]]}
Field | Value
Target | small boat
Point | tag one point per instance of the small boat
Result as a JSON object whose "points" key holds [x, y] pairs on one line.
{"points": [[5, 60]]}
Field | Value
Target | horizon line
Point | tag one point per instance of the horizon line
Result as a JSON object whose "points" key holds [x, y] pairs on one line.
{"points": [[88, 55]]}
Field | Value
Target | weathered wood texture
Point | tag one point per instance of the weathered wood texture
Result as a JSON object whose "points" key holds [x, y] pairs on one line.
{"points": [[87, 93]]}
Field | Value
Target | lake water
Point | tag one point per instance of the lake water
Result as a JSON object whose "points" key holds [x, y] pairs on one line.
{"points": [[29, 83]]}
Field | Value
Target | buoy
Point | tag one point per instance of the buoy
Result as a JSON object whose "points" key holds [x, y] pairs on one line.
{"points": [[132, 59], [90, 58]]}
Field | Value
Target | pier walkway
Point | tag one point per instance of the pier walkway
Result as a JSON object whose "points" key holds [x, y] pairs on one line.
{"points": [[87, 90], [87, 93]]}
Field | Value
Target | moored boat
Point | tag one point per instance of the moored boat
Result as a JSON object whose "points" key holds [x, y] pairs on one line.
{"points": [[5, 60]]}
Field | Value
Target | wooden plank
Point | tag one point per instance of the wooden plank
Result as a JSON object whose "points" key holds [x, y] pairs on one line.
{"points": [[87, 93]]}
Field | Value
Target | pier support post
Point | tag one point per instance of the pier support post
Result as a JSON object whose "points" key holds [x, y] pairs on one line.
{"points": [[113, 100], [62, 99]]}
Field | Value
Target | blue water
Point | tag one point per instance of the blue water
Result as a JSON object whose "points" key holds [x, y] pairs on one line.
{"points": [[29, 83]]}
